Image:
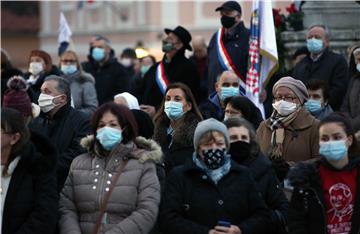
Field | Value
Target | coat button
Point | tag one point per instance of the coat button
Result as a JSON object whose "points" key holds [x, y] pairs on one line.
{"points": [[107, 189], [96, 180], [204, 177], [97, 166], [110, 175], [116, 160], [96, 173], [108, 182], [94, 187], [220, 202]]}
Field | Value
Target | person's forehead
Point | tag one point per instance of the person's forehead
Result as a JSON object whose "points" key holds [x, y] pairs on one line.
{"points": [[316, 30], [173, 36], [98, 43], [68, 56], [317, 91], [229, 77]]}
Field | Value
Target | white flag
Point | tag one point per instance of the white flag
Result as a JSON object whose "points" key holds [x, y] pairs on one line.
{"points": [[64, 34]]}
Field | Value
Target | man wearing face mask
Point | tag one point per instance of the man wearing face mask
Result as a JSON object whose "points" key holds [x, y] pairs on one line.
{"points": [[228, 48], [110, 76], [317, 104], [227, 86], [61, 123], [290, 134], [174, 67], [323, 64], [127, 59]]}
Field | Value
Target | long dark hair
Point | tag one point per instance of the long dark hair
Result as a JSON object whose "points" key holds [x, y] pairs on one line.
{"points": [[12, 121], [161, 117]]}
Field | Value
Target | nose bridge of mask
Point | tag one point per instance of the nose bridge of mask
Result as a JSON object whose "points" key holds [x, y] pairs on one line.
{"points": [[172, 105]]}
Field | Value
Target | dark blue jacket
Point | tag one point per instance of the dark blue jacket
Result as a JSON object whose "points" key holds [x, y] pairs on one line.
{"points": [[212, 108], [237, 46]]}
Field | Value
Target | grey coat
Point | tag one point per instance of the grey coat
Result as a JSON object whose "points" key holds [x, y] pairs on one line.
{"points": [[351, 102], [133, 204], [83, 92]]}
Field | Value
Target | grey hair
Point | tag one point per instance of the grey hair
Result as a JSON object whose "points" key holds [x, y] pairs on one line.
{"points": [[63, 86], [226, 71], [326, 29], [105, 39]]}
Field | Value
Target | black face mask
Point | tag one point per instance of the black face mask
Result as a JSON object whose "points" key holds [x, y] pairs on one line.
{"points": [[214, 158], [227, 21], [239, 151]]}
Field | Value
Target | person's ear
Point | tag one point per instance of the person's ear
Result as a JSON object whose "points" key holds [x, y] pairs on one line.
{"points": [[15, 138], [349, 141]]}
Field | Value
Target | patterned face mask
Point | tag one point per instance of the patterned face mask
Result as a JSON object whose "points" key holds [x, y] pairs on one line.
{"points": [[214, 158]]}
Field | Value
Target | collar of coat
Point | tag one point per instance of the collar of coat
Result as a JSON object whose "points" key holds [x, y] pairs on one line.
{"points": [[302, 121], [191, 166], [142, 149]]}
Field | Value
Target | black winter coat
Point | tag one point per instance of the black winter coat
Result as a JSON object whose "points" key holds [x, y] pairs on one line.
{"points": [[268, 186], [65, 130], [110, 79], [307, 214], [180, 69], [35, 89], [237, 46], [31, 201], [330, 67], [182, 146], [193, 204]]}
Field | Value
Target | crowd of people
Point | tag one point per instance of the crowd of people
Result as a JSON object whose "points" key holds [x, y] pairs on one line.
{"points": [[137, 145]]}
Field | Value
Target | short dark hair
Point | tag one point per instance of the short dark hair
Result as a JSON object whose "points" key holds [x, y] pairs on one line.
{"points": [[316, 84], [12, 121], [63, 85], [240, 122], [344, 121], [129, 52], [124, 116]]}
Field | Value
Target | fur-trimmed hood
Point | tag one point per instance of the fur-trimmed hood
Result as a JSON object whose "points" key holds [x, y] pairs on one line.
{"points": [[143, 149]]}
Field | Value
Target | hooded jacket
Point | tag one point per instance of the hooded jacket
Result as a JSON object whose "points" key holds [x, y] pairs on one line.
{"points": [[31, 201], [133, 204], [307, 212], [83, 93]]}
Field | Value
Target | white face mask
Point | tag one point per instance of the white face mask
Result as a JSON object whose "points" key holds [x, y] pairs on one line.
{"points": [[284, 108], [46, 102], [126, 62], [35, 68]]}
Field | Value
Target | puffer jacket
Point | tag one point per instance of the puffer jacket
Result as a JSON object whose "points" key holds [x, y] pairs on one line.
{"points": [[133, 204]]}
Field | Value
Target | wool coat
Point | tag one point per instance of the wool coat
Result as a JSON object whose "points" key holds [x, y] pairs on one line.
{"points": [[193, 203], [31, 200], [133, 204], [301, 140], [351, 102]]}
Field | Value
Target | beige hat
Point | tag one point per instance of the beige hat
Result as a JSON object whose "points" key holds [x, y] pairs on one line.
{"points": [[296, 86]]}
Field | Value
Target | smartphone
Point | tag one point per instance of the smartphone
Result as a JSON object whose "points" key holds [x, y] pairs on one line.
{"points": [[223, 223]]}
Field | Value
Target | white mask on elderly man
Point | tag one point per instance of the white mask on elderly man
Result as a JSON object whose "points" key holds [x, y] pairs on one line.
{"points": [[284, 108]]}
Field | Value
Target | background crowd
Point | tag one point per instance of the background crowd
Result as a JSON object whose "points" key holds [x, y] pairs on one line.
{"points": [[137, 145]]}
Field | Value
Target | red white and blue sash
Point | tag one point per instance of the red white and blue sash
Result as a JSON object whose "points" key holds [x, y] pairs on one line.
{"points": [[161, 78], [225, 59]]}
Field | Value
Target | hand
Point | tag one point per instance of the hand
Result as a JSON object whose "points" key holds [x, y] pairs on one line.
{"points": [[150, 110], [233, 229]]}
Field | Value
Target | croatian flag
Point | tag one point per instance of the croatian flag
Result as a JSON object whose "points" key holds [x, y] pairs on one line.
{"points": [[263, 56], [64, 35]]}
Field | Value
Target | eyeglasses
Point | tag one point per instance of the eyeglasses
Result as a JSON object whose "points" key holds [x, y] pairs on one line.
{"points": [[68, 61], [288, 98]]}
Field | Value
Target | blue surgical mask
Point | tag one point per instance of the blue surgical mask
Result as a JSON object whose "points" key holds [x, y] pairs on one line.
{"points": [[98, 53], [314, 45], [313, 105], [358, 67], [173, 110], [144, 69], [109, 137], [226, 92], [333, 150], [68, 69]]}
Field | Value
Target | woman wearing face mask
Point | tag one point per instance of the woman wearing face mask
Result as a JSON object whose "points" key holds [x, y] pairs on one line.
{"points": [[40, 66], [82, 84], [245, 150], [290, 134], [351, 102], [175, 124], [326, 196], [210, 193], [114, 187]]}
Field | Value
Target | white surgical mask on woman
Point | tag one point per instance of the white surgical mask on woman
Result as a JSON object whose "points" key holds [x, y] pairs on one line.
{"points": [[284, 108]]}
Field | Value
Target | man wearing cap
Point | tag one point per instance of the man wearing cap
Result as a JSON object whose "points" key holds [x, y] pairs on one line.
{"points": [[291, 133], [174, 67], [322, 63], [111, 77], [229, 46]]}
